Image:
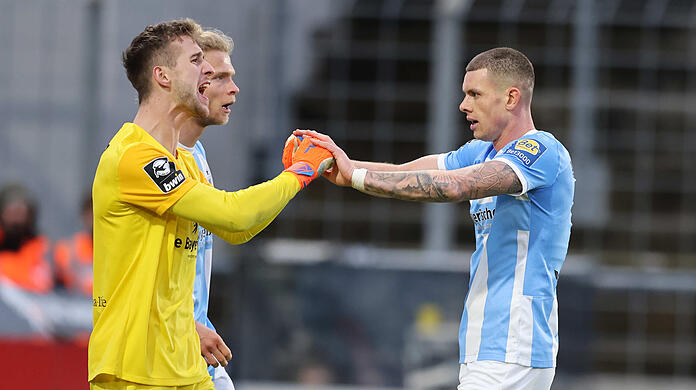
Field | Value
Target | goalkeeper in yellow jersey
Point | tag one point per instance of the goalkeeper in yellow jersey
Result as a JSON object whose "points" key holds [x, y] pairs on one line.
{"points": [[149, 199]]}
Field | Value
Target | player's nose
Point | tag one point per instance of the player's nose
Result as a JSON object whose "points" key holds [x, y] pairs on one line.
{"points": [[207, 69], [463, 106]]}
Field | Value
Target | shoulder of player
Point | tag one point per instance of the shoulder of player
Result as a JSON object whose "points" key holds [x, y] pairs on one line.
{"points": [[116, 144], [143, 148], [551, 142], [134, 156], [545, 139], [132, 137], [543, 136], [476, 144]]}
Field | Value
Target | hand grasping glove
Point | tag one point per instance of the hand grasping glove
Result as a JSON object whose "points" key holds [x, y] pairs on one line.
{"points": [[342, 172], [309, 161]]}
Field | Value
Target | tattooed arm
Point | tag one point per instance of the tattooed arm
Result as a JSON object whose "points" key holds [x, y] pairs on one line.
{"points": [[473, 182]]}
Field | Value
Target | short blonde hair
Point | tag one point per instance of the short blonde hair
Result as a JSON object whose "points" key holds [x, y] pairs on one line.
{"points": [[214, 39]]}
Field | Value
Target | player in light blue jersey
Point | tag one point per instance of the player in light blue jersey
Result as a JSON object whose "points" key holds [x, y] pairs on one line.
{"points": [[221, 94], [520, 183]]}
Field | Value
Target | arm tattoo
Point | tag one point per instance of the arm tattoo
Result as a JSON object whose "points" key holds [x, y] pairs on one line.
{"points": [[474, 182]]}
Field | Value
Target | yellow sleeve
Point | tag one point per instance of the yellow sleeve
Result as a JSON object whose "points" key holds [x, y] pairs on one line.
{"points": [[237, 216], [150, 178], [241, 237]]}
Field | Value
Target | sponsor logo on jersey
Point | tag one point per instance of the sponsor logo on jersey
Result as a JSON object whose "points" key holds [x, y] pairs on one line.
{"points": [[99, 301], [527, 151], [161, 168], [528, 145], [191, 245], [164, 173], [483, 215]]}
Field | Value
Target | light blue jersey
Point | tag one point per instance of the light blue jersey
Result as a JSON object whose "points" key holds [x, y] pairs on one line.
{"points": [[511, 313], [204, 262]]}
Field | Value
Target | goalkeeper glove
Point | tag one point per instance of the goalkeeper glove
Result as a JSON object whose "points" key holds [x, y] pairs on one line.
{"points": [[309, 162], [291, 145]]}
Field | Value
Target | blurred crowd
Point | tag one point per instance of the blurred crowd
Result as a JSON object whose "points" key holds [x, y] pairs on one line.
{"points": [[29, 260]]}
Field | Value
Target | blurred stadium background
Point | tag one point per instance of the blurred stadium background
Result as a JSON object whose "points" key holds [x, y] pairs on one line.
{"points": [[345, 291]]}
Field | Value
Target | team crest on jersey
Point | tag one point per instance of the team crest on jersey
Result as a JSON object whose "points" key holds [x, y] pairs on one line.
{"points": [[527, 151], [164, 173]]}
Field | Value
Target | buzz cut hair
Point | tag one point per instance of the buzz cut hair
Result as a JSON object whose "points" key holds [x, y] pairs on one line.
{"points": [[214, 39], [151, 48], [508, 66]]}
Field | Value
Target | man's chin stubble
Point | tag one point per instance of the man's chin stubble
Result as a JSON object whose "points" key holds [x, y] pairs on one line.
{"points": [[207, 121]]}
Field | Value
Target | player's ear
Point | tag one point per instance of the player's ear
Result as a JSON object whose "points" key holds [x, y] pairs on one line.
{"points": [[161, 76], [513, 98]]}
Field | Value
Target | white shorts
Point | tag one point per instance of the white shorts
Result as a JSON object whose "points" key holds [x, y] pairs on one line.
{"points": [[491, 375], [221, 379]]}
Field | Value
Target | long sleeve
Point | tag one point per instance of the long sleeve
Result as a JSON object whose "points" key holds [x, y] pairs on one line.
{"points": [[236, 238], [237, 216]]}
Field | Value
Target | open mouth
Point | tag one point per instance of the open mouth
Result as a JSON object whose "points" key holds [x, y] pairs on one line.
{"points": [[473, 123], [226, 107], [202, 88]]}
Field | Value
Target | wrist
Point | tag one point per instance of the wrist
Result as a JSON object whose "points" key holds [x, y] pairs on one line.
{"points": [[303, 172], [357, 179]]}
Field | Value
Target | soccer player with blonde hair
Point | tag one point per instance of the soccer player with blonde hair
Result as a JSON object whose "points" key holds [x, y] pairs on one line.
{"points": [[221, 95], [149, 200]]}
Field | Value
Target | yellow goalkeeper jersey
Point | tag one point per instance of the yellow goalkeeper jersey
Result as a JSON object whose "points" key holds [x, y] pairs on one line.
{"points": [[144, 264]]}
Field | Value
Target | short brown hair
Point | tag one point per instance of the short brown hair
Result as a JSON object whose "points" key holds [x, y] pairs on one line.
{"points": [[150, 48], [214, 39], [506, 64]]}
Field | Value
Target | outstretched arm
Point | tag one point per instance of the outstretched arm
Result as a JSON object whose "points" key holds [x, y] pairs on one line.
{"points": [[338, 177], [474, 182], [237, 216], [236, 238], [420, 164], [418, 180]]}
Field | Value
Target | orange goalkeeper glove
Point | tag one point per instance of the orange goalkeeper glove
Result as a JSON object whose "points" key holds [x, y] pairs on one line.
{"points": [[291, 145], [309, 162]]}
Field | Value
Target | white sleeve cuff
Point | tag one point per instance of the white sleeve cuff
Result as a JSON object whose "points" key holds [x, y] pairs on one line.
{"points": [[441, 162], [519, 174]]}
